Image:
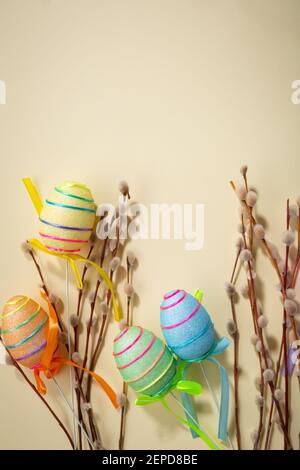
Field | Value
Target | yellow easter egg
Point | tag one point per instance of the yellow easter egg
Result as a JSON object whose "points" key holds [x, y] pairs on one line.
{"points": [[24, 328], [67, 218]]}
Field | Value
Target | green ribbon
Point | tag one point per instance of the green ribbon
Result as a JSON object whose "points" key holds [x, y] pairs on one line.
{"points": [[189, 387], [186, 386]]}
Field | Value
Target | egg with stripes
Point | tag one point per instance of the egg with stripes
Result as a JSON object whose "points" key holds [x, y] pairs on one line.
{"points": [[67, 218], [144, 361], [24, 328], [186, 325]]}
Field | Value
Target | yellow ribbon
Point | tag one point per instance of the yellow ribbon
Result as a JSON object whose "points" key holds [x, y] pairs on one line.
{"points": [[198, 295], [72, 258], [34, 195]]}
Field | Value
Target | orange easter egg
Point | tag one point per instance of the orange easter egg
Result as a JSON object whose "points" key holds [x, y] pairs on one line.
{"points": [[24, 327]]}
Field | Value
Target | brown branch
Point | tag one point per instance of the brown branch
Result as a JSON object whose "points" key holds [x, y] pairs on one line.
{"points": [[261, 412], [125, 386], [60, 423], [93, 304], [89, 328], [43, 284], [235, 264], [263, 353], [294, 328], [284, 330], [270, 383], [102, 330], [252, 300], [278, 368], [236, 338], [76, 347], [264, 241]]}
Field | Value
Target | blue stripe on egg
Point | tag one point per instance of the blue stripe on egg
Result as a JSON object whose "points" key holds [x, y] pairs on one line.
{"points": [[186, 325]]}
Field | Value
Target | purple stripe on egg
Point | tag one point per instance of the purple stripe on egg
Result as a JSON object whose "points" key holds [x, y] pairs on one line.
{"points": [[175, 303], [131, 344], [184, 320], [80, 229], [140, 355], [121, 334], [171, 294], [31, 353]]}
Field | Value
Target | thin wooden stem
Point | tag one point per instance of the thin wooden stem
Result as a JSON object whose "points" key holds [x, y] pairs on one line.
{"points": [[284, 331], [270, 383], [31, 385], [100, 339], [236, 337], [252, 300], [263, 241], [278, 368], [76, 348], [235, 264], [89, 328], [125, 386], [43, 284]]}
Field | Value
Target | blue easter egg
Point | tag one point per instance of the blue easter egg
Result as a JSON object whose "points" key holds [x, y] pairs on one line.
{"points": [[186, 325]]}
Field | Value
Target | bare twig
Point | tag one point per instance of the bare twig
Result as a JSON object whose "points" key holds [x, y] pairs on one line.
{"points": [[79, 393], [43, 284], [236, 337], [125, 386], [253, 306], [278, 368], [284, 330], [31, 385]]}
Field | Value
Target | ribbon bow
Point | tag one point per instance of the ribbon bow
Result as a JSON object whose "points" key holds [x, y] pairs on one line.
{"points": [[189, 387], [217, 348], [50, 364]]}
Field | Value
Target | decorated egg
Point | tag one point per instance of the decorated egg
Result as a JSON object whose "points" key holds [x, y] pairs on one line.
{"points": [[67, 218], [186, 325], [144, 361], [24, 327]]}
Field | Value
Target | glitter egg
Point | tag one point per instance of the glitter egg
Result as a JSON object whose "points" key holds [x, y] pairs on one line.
{"points": [[67, 218], [24, 328], [186, 325], [143, 360]]}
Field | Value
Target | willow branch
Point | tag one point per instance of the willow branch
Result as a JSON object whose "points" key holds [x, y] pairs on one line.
{"points": [[284, 330], [125, 386], [31, 385]]}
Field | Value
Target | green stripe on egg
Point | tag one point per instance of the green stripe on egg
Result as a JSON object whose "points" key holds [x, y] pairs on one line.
{"points": [[143, 360]]}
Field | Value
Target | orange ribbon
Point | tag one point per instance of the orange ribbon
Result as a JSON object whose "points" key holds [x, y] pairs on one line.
{"points": [[52, 335], [50, 365], [55, 365]]}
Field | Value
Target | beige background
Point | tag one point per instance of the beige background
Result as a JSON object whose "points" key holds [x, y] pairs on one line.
{"points": [[173, 96]]}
